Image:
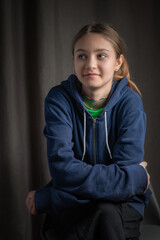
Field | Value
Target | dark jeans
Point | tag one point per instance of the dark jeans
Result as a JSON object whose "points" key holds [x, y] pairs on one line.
{"points": [[101, 221]]}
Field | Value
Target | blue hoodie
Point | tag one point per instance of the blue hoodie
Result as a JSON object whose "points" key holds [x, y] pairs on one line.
{"points": [[93, 160]]}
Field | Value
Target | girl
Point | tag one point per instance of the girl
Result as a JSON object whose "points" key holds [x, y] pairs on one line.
{"points": [[95, 130]]}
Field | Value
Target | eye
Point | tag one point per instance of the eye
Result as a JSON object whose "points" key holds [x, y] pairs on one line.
{"points": [[101, 56], [81, 56]]}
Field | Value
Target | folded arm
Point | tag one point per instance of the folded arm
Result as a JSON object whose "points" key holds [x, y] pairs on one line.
{"points": [[75, 181]]}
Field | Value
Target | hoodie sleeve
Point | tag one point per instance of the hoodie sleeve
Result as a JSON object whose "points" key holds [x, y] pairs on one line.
{"points": [[75, 183]]}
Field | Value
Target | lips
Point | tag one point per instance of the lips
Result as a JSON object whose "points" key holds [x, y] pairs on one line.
{"points": [[91, 75]]}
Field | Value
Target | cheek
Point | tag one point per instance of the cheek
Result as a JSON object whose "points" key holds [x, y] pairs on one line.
{"points": [[107, 66], [111, 65], [75, 66], [78, 66]]}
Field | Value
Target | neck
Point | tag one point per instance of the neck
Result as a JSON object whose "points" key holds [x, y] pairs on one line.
{"points": [[97, 93], [95, 98], [94, 95], [94, 104]]}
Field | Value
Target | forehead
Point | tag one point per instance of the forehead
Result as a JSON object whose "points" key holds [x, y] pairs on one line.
{"points": [[94, 41]]}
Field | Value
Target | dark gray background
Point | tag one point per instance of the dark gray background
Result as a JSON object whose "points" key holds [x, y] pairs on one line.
{"points": [[35, 54]]}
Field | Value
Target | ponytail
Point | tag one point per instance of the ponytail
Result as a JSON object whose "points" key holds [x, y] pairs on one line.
{"points": [[124, 72]]}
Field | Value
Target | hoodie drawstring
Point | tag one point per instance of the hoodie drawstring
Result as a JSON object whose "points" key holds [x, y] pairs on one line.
{"points": [[106, 130], [84, 136]]}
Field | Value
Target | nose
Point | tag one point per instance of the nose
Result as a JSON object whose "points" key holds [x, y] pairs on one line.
{"points": [[91, 63]]}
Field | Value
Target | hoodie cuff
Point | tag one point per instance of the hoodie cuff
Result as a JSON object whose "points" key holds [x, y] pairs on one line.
{"points": [[43, 200], [141, 179], [145, 179], [138, 179]]}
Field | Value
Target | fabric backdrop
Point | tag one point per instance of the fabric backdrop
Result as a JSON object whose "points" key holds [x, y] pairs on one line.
{"points": [[35, 54]]}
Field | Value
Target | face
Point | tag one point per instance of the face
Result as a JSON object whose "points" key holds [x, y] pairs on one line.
{"points": [[95, 63]]}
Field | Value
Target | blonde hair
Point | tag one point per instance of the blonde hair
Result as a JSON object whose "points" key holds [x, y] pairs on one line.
{"points": [[111, 35]]}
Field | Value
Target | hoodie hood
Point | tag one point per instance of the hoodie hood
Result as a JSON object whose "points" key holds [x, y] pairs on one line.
{"points": [[73, 87]]}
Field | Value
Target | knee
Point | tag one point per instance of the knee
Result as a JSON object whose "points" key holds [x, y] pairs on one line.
{"points": [[109, 210]]}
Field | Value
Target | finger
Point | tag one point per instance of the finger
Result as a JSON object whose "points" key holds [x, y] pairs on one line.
{"points": [[148, 178], [30, 197], [29, 203], [33, 210], [144, 164]]}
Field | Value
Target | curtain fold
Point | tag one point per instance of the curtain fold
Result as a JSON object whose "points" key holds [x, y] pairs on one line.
{"points": [[35, 38], [35, 55]]}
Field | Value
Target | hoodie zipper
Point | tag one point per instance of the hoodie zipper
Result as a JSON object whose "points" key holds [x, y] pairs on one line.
{"points": [[94, 130]]}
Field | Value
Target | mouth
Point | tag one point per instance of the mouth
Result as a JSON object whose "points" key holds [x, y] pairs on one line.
{"points": [[91, 75]]}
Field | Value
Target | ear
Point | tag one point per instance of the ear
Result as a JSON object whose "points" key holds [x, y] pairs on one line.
{"points": [[119, 62]]}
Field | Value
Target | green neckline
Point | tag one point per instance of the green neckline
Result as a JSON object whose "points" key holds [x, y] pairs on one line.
{"points": [[94, 113]]}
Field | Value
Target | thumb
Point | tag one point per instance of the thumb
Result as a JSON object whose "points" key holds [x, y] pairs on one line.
{"points": [[144, 164]]}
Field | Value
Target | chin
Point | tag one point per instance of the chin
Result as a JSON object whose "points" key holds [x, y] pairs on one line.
{"points": [[92, 86]]}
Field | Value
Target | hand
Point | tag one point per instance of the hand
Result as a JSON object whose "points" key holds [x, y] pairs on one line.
{"points": [[30, 202], [145, 164]]}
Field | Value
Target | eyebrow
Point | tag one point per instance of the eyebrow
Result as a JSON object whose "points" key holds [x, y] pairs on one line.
{"points": [[97, 50]]}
